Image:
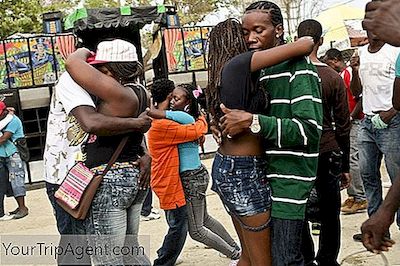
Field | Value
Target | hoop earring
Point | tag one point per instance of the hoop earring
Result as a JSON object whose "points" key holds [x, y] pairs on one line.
{"points": [[186, 108]]}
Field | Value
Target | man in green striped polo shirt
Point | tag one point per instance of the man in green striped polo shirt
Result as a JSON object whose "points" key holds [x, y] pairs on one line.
{"points": [[292, 130]]}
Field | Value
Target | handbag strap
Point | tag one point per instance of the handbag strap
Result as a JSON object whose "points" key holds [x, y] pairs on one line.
{"points": [[114, 157]]}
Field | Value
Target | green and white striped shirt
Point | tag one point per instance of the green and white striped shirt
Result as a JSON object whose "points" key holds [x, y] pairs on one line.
{"points": [[292, 129]]}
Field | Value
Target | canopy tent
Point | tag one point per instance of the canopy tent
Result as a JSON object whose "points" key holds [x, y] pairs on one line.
{"points": [[334, 23], [95, 24]]}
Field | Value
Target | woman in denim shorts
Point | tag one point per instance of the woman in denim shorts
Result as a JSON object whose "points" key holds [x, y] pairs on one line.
{"points": [[239, 168], [194, 176]]}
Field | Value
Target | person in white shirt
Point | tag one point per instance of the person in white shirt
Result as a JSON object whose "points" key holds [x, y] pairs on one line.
{"points": [[379, 135], [71, 118]]}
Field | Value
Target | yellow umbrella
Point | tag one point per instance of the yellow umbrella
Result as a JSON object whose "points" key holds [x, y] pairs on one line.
{"points": [[334, 27]]}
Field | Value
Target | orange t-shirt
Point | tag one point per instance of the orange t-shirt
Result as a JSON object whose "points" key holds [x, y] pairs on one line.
{"points": [[163, 139]]}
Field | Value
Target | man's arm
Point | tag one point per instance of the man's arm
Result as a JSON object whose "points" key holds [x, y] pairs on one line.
{"points": [[396, 94], [341, 116], [92, 121], [6, 136], [302, 129], [105, 87], [375, 228], [180, 117], [4, 122], [396, 86], [355, 84], [145, 167], [355, 114], [382, 18], [77, 101], [173, 133]]}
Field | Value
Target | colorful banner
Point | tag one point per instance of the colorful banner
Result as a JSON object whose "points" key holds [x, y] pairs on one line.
{"points": [[43, 62], [38, 64], [17, 64], [186, 48]]}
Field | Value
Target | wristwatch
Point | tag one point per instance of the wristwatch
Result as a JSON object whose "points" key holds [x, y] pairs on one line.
{"points": [[255, 125]]}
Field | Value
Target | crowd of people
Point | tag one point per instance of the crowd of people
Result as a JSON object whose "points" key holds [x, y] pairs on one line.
{"points": [[286, 121]]}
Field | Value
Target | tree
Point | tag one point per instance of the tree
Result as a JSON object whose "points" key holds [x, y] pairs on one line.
{"points": [[295, 11], [193, 11], [25, 15], [19, 16]]}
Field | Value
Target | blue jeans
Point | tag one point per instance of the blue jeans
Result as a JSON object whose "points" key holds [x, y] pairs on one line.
{"points": [[115, 213], [174, 241], [4, 186], [356, 188], [63, 219], [373, 145], [67, 226], [15, 172], [203, 227], [286, 238]]}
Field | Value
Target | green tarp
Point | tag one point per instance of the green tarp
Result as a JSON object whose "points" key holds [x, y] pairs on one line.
{"points": [[92, 18]]}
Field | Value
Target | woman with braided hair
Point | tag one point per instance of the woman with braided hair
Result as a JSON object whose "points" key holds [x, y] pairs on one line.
{"points": [[239, 169]]}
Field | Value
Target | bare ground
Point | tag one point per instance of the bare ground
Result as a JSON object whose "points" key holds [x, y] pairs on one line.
{"points": [[40, 221]]}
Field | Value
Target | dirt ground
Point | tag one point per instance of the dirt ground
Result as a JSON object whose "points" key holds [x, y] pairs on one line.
{"points": [[40, 221]]}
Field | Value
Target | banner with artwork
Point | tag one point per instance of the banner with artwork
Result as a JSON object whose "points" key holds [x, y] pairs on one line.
{"points": [[35, 61], [15, 70], [43, 60], [186, 48]]}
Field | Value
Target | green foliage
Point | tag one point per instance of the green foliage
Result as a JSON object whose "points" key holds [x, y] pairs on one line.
{"points": [[192, 11], [19, 16], [25, 15]]}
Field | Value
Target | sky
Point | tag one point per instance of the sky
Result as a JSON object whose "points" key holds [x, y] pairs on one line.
{"points": [[216, 17], [357, 3]]}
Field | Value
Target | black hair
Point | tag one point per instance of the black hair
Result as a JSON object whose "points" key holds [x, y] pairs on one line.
{"points": [[226, 40], [310, 27], [160, 89], [125, 72], [333, 53], [269, 8], [194, 109]]}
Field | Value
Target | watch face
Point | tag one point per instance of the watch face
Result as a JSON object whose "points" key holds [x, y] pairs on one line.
{"points": [[255, 128]]}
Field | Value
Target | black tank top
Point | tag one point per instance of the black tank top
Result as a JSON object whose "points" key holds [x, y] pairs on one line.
{"points": [[100, 151]]}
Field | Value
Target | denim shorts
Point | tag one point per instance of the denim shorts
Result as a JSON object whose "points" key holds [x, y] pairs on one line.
{"points": [[242, 184], [16, 171]]}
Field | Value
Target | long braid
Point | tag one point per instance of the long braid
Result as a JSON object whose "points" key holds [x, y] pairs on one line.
{"points": [[270, 8], [226, 40]]}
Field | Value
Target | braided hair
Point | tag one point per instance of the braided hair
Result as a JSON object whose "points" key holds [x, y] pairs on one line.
{"points": [[226, 40], [194, 109], [268, 8]]}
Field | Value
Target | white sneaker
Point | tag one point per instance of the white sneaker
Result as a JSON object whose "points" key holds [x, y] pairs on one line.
{"points": [[6, 217], [233, 262], [179, 261], [151, 216], [154, 210]]}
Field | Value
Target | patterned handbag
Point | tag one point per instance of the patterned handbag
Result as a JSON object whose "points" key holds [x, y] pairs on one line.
{"points": [[76, 192]]}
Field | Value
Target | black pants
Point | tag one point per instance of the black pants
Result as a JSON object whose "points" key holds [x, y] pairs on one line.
{"points": [[328, 189]]}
